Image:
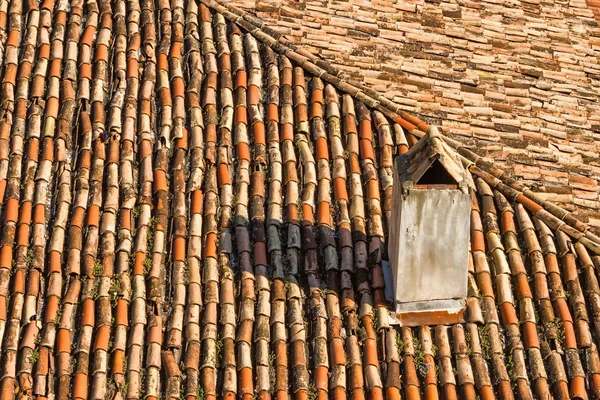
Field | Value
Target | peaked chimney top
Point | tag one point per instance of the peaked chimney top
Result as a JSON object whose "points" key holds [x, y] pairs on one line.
{"points": [[432, 162]]}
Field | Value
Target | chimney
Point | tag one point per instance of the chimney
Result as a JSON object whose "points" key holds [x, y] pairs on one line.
{"points": [[429, 234]]}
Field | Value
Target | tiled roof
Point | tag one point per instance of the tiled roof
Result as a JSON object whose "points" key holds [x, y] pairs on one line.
{"points": [[188, 212], [520, 79]]}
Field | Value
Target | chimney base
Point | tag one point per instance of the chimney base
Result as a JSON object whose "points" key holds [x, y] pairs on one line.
{"points": [[434, 312]]}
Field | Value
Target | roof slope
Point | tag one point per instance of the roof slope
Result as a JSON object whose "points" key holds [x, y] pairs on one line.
{"points": [[187, 214], [520, 79]]}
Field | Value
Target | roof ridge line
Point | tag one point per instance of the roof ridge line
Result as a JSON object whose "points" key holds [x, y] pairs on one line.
{"points": [[552, 214]]}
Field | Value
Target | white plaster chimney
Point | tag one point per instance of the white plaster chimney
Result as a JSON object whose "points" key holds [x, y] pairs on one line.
{"points": [[429, 234]]}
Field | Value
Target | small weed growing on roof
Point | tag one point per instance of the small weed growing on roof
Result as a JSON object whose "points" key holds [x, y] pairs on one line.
{"points": [[123, 388], [560, 331], [30, 256], [94, 291], [375, 322], [419, 355], [111, 387], [58, 315], [468, 340], [142, 382], [219, 349], [149, 244], [312, 391], [151, 230], [136, 211], [422, 366], [98, 268], [147, 265], [131, 260], [510, 369], [186, 272], [272, 376], [34, 356], [36, 352], [300, 211], [485, 341], [334, 210], [399, 345], [200, 393], [114, 289]]}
